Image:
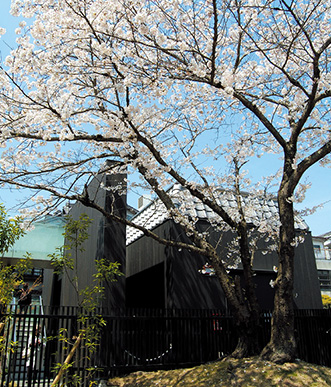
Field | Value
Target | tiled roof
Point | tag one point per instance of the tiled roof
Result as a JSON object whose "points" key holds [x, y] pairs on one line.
{"points": [[256, 209]]}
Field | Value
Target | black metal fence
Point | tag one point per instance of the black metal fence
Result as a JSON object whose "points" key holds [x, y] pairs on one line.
{"points": [[35, 340]]}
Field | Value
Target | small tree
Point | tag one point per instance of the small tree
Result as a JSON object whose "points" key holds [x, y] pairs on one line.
{"points": [[65, 261], [11, 276]]}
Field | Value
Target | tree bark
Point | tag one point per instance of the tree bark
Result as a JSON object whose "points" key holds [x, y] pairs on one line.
{"points": [[248, 339], [66, 363], [246, 314], [282, 345], [248, 318]]}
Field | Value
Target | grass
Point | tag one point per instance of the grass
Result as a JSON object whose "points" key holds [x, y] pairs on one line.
{"points": [[232, 372]]}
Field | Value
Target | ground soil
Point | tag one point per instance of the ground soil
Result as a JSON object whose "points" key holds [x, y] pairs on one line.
{"points": [[232, 372]]}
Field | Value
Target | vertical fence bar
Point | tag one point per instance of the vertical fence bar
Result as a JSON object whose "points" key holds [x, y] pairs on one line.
{"points": [[139, 340]]}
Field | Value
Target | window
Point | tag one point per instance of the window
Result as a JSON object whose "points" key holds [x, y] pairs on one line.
{"points": [[328, 252], [319, 253], [324, 277]]}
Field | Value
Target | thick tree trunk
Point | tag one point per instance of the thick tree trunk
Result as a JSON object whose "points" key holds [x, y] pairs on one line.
{"points": [[248, 338], [245, 307], [282, 345], [248, 318]]}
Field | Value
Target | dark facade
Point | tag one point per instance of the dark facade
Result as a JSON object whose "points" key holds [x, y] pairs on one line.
{"points": [[107, 240], [160, 276]]}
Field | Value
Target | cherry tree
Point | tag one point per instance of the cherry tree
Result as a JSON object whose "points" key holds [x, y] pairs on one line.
{"points": [[168, 89]]}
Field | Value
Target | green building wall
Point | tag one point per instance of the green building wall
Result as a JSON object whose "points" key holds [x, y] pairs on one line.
{"points": [[42, 240]]}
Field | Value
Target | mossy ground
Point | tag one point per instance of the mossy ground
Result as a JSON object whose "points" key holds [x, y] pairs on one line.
{"points": [[232, 372]]}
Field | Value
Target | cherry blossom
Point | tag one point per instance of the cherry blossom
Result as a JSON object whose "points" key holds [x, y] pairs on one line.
{"points": [[179, 92]]}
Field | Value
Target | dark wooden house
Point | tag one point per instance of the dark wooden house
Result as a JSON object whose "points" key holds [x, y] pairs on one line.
{"points": [[158, 276], [165, 277], [106, 240]]}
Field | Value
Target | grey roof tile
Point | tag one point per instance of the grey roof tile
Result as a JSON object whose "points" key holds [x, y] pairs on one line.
{"points": [[155, 214]]}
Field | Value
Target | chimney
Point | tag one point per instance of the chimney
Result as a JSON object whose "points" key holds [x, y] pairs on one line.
{"points": [[143, 201]]}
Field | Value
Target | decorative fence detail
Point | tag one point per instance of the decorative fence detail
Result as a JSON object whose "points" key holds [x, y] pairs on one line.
{"points": [[35, 341]]}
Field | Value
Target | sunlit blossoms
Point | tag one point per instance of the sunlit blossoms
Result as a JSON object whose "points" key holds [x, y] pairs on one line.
{"points": [[180, 92]]}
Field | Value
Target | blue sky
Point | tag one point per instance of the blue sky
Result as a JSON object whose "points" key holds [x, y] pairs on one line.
{"points": [[9, 23], [319, 222]]}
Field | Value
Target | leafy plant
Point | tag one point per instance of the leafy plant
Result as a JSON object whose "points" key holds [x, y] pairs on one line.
{"points": [[65, 261], [326, 300], [10, 276]]}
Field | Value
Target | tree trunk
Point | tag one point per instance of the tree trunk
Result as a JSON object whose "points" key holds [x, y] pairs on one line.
{"points": [[244, 307], [248, 338], [282, 345], [248, 318], [67, 361]]}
